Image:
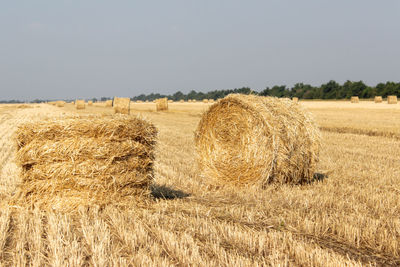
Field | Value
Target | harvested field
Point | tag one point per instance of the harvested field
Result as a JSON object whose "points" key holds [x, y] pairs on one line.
{"points": [[348, 216]]}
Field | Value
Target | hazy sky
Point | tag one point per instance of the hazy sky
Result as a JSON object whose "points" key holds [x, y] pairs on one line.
{"points": [[69, 49]]}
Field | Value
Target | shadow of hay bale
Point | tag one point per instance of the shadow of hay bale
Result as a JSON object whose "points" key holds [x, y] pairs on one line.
{"points": [[165, 192]]}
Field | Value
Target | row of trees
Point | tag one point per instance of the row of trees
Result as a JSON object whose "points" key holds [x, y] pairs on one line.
{"points": [[330, 90]]}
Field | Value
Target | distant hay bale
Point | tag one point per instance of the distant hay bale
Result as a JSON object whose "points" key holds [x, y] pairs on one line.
{"points": [[205, 100], [378, 99], [253, 140], [109, 103], [295, 99], [392, 99], [80, 104], [60, 104], [181, 101], [193, 100], [354, 99], [122, 105], [210, 100], [162, 104], [90, 103], [170, 101], [84, 160]]}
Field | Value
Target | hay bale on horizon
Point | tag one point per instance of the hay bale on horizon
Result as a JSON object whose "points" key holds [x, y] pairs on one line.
{"points": [[109, 103], [169, 101], [181, 101], [205, 100], [378, 99], [392, 99], [122, 105], [80, 104], [90, 103], [84, 160], [60, 104], [253, 140], [162, 104], [354, 99], [295, 99]]}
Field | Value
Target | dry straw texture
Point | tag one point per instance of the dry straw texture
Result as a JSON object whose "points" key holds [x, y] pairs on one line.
{"points": [[162, 104], [109, 103], [354, 99], [84, 160], [392, 99], [60, 103], [90, 103], [80, 104], [378, 99], [295, 99], [252, 140], [122, 105]]}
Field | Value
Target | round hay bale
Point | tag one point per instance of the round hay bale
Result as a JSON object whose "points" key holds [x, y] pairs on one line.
{"points": [[162, 104], [80, 104], [392, 99], [354, 99], [253, 140], [295, 99], [378, 99]]}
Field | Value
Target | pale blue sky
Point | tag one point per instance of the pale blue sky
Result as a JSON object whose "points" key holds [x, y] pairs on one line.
{"points": [[91, 48]]}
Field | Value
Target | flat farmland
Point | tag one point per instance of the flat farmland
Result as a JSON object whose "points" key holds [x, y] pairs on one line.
{"points": [[349, 216]]}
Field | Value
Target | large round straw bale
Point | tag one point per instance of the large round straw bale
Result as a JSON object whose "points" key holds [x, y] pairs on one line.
{"points": [[181, 101], [162, 104], [170, 101], [354, 99], [253, 140], [295, 99], [378, 99], [80, 104], [122, 105], [205, 100], [392, 99], [90, 103]]}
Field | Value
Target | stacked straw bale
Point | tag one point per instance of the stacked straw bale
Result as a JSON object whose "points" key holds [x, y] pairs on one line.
{"points": [[122, 105], [392, 99], [90, 103], [378, 99], [60, 104], [109, 103], [80, 104], [253, 140], [84, 160], [295, 99], [354, 99], [162, 104]]}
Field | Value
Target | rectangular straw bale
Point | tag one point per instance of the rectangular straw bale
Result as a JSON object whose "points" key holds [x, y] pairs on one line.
{"points": [[122, 105], [354, 99], [84, 160], [80, 104], [162, 104], [392, 99], [109, 103], [378, 99]]}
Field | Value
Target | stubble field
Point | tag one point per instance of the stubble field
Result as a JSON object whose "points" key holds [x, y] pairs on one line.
{"points": [[350, 215]]}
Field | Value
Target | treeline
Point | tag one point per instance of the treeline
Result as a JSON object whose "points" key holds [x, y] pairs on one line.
{"points": [[330, 90]]}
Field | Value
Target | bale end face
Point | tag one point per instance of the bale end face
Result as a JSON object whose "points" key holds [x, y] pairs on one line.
{"points": [[354, 99], [378, 99], [253, 140], [80, 104], [84, 161], [162, 104]]}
